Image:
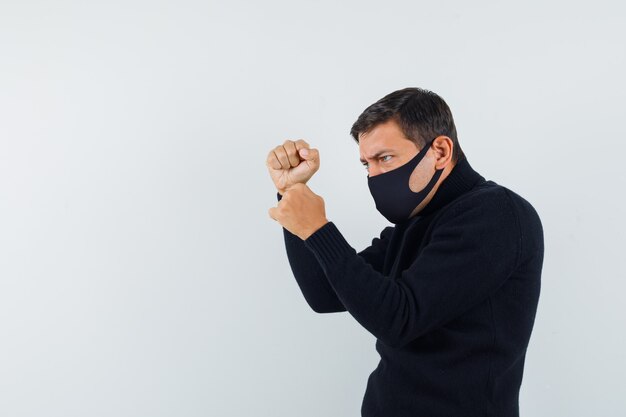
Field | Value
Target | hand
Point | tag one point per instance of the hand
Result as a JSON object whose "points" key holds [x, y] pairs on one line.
{"points": [[300, 211], [292, 163]]}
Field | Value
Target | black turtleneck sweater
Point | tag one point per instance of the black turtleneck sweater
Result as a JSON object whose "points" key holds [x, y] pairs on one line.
{"points": [[450, 295]]}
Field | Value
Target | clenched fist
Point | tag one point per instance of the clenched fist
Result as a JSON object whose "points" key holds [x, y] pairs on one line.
{"points": [[292, 163], [300, 211]]}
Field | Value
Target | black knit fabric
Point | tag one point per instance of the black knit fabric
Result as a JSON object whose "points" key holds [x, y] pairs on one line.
{"points": [[450, 295]]}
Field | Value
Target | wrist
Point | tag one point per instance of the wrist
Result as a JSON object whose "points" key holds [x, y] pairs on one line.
{"points": [[314, 229], [282, 191]]}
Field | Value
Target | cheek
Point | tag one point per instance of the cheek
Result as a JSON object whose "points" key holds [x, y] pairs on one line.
{"points": [[421, 175]]}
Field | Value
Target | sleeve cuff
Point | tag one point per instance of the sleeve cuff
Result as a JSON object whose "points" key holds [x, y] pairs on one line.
{"points": [[328, 245]]}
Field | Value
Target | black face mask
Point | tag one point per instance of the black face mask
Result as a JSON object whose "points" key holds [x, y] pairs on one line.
{"points": [[392, 195]]}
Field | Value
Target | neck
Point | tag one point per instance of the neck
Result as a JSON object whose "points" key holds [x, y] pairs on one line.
{"points": [[459, 180]]}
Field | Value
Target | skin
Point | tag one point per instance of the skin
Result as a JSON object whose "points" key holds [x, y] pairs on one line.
{"points": [[292, 164]]}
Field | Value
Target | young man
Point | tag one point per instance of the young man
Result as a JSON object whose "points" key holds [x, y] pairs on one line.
{"points": [[450, 291]]}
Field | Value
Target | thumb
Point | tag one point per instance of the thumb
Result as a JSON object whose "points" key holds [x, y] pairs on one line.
{"points": [[272, 213], [308, 154]]}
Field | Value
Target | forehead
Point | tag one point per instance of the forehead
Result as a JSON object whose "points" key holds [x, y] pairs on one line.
{"points": [[383, 137]]}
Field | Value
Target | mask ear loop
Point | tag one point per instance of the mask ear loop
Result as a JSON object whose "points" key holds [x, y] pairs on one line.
{"points": [[435, 176], [431, 183]]}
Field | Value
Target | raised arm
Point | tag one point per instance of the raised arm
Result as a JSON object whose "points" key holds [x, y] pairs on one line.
{"points": [[310, 276], [473, 251]]}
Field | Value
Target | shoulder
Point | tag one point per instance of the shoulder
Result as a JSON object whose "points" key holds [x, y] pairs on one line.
{"points": [[498, 211], [484, 216], [488, 201], [489, 196]]}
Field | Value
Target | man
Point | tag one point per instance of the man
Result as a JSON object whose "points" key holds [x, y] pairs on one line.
{"points": [[450, 291]]}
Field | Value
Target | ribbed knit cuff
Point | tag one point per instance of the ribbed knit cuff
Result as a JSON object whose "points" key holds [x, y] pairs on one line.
{"points": [[328, 245]]}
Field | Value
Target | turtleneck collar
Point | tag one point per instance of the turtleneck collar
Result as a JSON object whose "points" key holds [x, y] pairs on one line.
{"points": [[461, 179]]}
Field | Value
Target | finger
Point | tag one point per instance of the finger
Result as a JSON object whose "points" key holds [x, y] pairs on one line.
{"points": [[272, 161], [292, 153], [272, 213], [301, 143], [281, 155]]}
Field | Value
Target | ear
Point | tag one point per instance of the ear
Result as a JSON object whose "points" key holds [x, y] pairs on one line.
{"points": [[442, 150]]}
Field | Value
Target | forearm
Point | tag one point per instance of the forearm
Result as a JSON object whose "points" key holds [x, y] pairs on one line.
{"points": [[378, 303], [309, 275]]}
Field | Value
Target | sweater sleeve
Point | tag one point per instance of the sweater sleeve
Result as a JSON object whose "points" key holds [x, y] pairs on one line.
{"points": [[310, 276], [473, 249]]}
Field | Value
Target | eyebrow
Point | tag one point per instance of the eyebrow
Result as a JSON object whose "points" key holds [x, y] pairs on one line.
{"points": [[377, 154]]}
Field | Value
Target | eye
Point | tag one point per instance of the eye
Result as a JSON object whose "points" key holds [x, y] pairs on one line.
{"points": [[383, 158]]}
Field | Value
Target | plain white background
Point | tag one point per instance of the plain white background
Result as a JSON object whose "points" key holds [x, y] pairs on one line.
{"points": [[140, 274]]}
